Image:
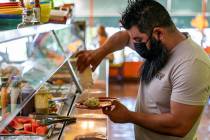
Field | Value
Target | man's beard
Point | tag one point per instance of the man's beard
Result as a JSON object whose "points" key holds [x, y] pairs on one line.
{"points": [[156, 61]]}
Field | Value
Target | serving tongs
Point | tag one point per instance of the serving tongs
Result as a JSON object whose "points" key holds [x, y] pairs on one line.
{"points": [[52, 116], [53, 121]]}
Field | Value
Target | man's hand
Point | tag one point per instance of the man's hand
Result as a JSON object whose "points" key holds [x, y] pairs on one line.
{"points": [[87, 58], [93, 57], [118, 113], [178, 122]]}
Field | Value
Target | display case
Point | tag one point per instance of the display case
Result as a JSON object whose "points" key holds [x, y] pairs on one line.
{"points": [[36, 73]]}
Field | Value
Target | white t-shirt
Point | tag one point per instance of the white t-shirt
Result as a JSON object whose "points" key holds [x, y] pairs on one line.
{"points": [[184, 79]]}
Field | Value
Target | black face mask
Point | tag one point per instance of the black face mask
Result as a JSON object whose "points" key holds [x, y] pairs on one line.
{"points": [[151, 53], [156, 58], [142, 49]]}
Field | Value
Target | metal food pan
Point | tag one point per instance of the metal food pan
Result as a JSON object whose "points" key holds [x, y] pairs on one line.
{"points": [[22, 137]]}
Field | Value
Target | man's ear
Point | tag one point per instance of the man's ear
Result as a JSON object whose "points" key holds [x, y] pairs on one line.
{"points": [[158, 33]]}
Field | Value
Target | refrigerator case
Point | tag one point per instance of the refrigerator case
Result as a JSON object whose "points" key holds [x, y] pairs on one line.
{"points": [[38, 55]]}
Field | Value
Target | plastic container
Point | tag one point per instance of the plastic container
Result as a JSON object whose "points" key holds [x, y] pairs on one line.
{"points": [[27, 91], [45, 11], [14, 92], [41, 102]]}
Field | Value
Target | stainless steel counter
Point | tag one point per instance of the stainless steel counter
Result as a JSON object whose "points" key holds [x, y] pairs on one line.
{"points": [[91, 124]]}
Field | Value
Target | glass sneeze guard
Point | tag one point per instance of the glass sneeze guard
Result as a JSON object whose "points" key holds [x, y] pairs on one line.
{"points": [[32, 54]]}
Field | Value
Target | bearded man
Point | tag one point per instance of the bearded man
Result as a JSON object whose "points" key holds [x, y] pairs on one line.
{"points": [[175, 78]]}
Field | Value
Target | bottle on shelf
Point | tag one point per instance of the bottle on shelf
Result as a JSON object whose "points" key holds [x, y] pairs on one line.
{"points": [[41, 101], [14, 92], [52, 4], [4, 95], [27, 91], [21, 3], [27, 17], [31, 14], [36, 12]]}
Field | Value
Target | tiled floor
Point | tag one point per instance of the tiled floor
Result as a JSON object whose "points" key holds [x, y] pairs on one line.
{"points": [[127, 94]]}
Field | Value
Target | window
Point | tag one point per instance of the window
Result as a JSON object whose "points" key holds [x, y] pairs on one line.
{"points": [[163, 2], [186, 6]]}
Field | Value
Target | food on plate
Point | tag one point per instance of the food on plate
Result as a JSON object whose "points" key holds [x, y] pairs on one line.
{"points": [[95, 103], [105, 103], [92, 102]]}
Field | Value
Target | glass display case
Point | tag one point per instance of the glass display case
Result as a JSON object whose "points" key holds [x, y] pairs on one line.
{"points": [[37, 75]]}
